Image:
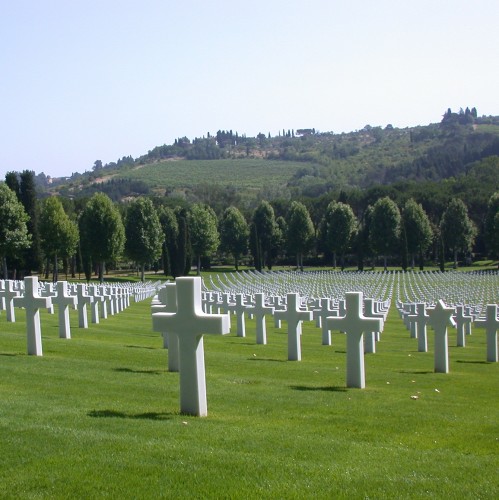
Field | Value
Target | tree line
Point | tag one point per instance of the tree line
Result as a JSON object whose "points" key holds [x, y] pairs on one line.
{"points": [[89, 235]]}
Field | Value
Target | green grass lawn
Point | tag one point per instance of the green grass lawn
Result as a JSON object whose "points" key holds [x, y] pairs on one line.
{"points": [[97, 417]]}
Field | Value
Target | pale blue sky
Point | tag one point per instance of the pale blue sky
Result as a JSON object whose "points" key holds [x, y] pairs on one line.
{"points": [[101, 79]]}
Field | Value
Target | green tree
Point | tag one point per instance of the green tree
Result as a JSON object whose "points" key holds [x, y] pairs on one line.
{"points": [[203, 231], [58, 233], [279, 244], [12, 181], [102, 233], [264, 234], [492, 227], [418, 232], [14, 234], [183, 258], [384, 228], [144, 234], [300, 235], [28, 197], [170, 227], [340, 228], [458, 230], [234, 234]]}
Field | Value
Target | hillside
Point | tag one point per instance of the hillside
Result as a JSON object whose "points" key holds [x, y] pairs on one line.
{"points": [[304, 163]]}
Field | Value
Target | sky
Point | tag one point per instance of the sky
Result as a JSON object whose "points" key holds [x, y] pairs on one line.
{"points": [[87, 80]]}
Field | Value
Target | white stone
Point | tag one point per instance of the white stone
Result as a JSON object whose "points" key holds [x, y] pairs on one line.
{"points": [[462, 320], [32, 303], [491, 324], [354, 323], [83, 300], [321, 314], [9, 294], [259, 310], [421, 319], [440, 318], [63, 300], [189, 323], [293, 315]]}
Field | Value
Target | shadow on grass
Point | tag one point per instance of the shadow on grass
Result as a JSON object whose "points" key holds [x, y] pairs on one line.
{"points": [[327, 388], [241, 343], [340, 352], [146, 372], [141, 347], [120, 414], [268, 359], [8, 354], [473, 362], [417, 372]]}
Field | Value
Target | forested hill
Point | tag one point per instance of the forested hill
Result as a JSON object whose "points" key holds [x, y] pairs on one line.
{"points": [[299, 163]]}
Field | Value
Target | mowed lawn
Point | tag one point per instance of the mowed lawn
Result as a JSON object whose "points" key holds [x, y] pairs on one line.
{"points": [[98, 417]]}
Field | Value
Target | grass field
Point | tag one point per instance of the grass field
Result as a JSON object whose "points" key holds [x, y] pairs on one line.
{"points": [[97, 417], [244, 174]]}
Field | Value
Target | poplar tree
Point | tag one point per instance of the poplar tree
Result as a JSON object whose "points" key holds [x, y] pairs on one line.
{"points": [[234, 234], [58, 233], [340, 227], [300, 232], [492, 226], [458, 230], [384, 228], [203, 231], [14, 235], [144, 234], [418, 232], [102, 233], [264, 233], [27, 194], [170, 228]]}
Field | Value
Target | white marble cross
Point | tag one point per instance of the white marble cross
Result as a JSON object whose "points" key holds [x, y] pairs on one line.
{"points": [[104, 303], [189, 323], [491, 324], [32, 302], [322, 313], [462, 319], [83, 300], [93, 291], [239, 307], [259, 310], [294, 316], [63, 300], [354, 323], [440, 318], [370, 338], [168, 299], [9, 294], [421, 319]]}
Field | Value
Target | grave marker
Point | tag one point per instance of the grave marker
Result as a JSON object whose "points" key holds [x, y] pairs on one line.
{"points": [[294, 316], [259, 310], [189, 323], [83, 300], [462, 320], [9, 294], [32, 303], [440, 318], [421, 319], [63, 300], [491, 324], [355, 324]]}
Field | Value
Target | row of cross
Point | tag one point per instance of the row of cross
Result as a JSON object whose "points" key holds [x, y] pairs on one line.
{"points": [[183, 313], [33, 295]]}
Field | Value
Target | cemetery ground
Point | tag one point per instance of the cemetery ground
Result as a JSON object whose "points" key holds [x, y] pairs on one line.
{"points": [[97, 416]]}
